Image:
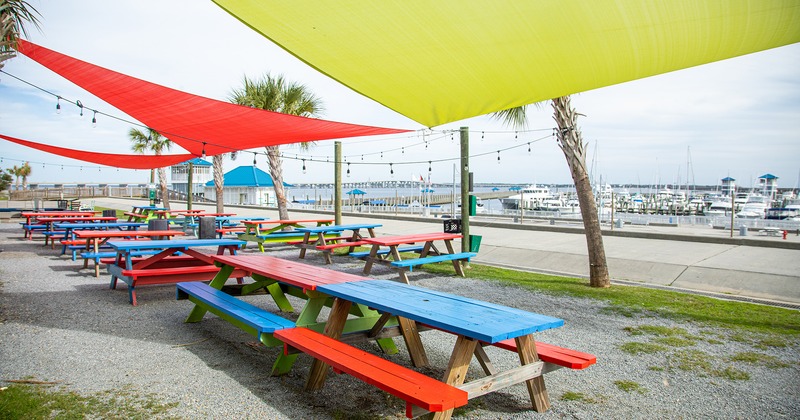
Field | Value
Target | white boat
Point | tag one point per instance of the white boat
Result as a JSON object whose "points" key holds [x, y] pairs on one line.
{"points": [[754, 208], [531, 197], [719, 208]]}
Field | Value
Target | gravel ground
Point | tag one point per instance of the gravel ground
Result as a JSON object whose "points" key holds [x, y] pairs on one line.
{"points": [[59, 323]]}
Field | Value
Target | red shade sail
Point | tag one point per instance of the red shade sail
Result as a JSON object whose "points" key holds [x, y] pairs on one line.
{"points": [[108, 159], [190, 120]]}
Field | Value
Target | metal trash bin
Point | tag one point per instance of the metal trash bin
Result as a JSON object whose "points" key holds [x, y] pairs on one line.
{"points": [[109, 213], [158, 224], [743, 230], [207, 228]]}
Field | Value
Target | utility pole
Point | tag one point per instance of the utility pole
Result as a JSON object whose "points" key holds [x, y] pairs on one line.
{"points": [[465, 246], [189, 187], [337, 181]]}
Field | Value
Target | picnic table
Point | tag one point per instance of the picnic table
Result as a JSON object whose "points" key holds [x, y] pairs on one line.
{"points": [[164, 266], [69, 229], [31, 216], [319, 238], [404, 311], [423, 243], [49, 223], [771, 231], [95, 239], [143, 213], [271, 231]]}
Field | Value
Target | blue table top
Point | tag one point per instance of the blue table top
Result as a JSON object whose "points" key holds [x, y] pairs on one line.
{"points": [[173, 243], [473, 318], [91, 225], [336, 228]]}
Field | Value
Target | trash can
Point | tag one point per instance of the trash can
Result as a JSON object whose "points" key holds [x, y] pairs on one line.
{"points": [[158, 224], [62, 204], [474, 243], [207, 228], [109, 213], [618, 224], [743, 230]]}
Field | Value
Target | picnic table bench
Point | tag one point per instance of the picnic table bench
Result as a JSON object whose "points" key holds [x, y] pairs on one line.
{"points": [[771, 231], [94, 240], [162, 268]]}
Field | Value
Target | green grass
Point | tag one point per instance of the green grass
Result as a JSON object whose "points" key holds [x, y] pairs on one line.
{"points": [[20, 401], [740, 317], [641, 348], [630, 386], [581, 397], [703, 363], [760, 359], [120, 213]]}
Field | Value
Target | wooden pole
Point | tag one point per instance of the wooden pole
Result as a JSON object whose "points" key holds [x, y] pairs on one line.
{"points": [[465, 189], [337, 181], [189, 187]]}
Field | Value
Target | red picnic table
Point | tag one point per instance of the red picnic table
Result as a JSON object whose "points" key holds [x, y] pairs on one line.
{"points": [[49, 221], [29, 227]]}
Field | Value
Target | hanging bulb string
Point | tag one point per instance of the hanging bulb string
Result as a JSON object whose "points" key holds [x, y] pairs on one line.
{"points": [[441, 134]]}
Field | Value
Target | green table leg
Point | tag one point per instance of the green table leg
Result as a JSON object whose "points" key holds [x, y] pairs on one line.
{"points": [[217, 282]]}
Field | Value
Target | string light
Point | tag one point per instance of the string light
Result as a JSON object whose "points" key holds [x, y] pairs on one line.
{"points": [[254, 159], [391, 170], [80, 105], [482, 134], [529, 147], [498, 157], [304, 166], [429, 166], [203, 153], [94, 119], [516, 135], [348, 169], [58, 105], [403, 150]]}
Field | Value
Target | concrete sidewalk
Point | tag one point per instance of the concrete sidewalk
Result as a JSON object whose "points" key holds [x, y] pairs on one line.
{"points": [[693, 258]]}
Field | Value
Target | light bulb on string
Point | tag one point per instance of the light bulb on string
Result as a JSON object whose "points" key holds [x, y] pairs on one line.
{"points": [[94, 119], [304, 166], [391, 170], [203, 153], [254, 160], [381, 155], [348, 169], [498, 157], [516, 135], [58, 104], [482, 134], [403, 150], [429, 167], [80, 105]]}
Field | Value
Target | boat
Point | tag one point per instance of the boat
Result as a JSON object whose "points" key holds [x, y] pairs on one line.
{"points": [[719, 208], [531, 197], [754, 208]]}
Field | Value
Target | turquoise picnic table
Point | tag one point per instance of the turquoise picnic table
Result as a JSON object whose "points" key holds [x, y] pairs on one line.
{"points": [[272, 231], [69, 241], [327, 238]]}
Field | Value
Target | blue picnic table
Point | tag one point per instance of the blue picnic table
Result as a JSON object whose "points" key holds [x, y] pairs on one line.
{"points": [[165, 266], [70, 242]]}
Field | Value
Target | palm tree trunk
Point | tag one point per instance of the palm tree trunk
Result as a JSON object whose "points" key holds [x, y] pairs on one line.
{"points": [[276, 171], [219, 183], [162, 179], [571, 143]]}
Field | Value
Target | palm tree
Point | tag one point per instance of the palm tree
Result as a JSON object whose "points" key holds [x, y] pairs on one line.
{"points": [[275, 93], [14, 170], [25, 172], [219, 180], [13, 15], [571, 143], [155, 142]]}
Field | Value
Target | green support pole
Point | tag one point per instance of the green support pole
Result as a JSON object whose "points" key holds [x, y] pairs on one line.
{"points": [[465, 189], [337, 181]]}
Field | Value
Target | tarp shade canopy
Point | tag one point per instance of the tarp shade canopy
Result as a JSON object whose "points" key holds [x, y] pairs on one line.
{"points": [[446, 60], [107, 159], [190, 120]]}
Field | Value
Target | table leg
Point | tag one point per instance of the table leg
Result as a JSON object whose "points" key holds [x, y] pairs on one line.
{"points": [[456, 264], [457, 368], [306, 239], [373, 254], [526, 348], [96, 261], [413, 342], [333, 329]]}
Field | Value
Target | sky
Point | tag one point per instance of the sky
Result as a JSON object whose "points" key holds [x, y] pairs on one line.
{"points": [[738, 117]]}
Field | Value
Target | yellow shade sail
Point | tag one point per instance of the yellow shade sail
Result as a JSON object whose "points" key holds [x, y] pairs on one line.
{"points": [[440, 61]]}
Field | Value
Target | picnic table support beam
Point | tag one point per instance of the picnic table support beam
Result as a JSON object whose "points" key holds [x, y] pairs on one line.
{"points": [[457, 368], [333, 329], [526, 348]]}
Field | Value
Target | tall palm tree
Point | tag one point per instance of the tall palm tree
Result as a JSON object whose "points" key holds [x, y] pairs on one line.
{"points": [[25, 172], [571, 143], [275, 93], [219, 179], [155, 142], [13, 15]]}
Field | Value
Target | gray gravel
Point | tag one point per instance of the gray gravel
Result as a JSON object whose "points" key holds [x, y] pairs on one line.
{"points": [[59, 323]]}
